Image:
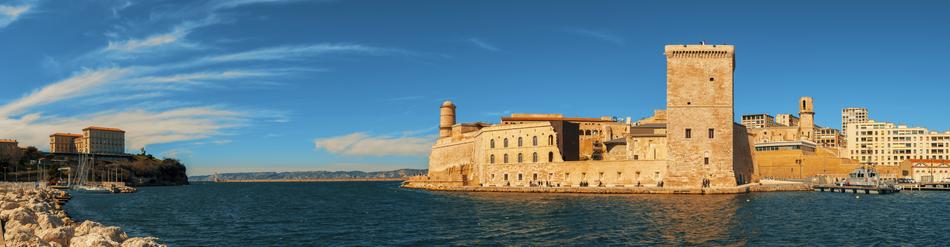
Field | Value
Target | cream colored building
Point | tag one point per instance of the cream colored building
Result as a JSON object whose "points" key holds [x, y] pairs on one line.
{"points": [[94, 140], [592, 132], [754, 121], [852, 115], [63, 143], [829, 137], [882, 143], [927, 170], [692, 143], [786, 119]]}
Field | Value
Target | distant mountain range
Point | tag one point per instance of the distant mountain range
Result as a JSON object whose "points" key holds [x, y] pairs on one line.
{"points": [[401, 173]]}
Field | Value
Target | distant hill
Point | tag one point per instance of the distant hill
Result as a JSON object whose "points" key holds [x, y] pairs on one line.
{"points": [[401, 173]]}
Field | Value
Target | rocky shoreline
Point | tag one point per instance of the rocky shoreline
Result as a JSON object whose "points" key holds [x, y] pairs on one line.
{"points": [[31, 217]]}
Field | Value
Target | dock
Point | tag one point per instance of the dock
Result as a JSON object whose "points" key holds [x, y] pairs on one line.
{"points": [[855, 189], [942, 186]]}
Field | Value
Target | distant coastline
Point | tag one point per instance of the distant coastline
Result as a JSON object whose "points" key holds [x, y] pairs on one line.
{"points": [[312, 176]]}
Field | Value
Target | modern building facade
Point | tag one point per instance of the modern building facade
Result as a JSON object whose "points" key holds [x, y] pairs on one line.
{"points": [[829, 137], [889, 144], [852, 115], [755, 121]]}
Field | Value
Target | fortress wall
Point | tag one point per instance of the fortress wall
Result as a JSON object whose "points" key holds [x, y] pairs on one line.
{"points": [[796, 164], [447, 160], [647, 148], [742, 160], [572, 173]]}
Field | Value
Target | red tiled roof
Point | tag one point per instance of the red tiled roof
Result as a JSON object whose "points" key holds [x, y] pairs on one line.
{"points": [[66, 134], [103, 128], [571, 119], [928, 161]]}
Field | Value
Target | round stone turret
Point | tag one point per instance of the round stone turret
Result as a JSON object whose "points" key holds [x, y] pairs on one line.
{"points": [[446, 119]]}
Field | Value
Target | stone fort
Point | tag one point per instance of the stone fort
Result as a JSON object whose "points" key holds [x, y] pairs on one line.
{"points": [[693, 143]]}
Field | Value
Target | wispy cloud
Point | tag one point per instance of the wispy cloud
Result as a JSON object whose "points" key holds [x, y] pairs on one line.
{"points": [[86, 82], [225, 4], [603, 35], [364, 144], [483, 45], [298, 52], [174, 38], [181, 81], [107, 99], [10, 14], [497, 114]]}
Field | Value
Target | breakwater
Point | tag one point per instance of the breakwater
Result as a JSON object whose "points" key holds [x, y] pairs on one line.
{"points": [[31, 217]]}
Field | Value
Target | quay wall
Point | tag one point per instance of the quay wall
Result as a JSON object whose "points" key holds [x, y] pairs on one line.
{"points": [[747, 188]]}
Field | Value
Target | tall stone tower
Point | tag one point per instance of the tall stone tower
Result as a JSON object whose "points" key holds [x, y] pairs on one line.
{"points": [[806, 114], [446, 119], [699, 107]]}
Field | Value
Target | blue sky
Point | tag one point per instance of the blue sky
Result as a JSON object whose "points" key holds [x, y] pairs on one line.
{"points": [[261, 85]]}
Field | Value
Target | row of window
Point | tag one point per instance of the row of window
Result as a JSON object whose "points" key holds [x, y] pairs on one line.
{"points": [[534, 158], [567, 175], [689, 133], [534, 141]]}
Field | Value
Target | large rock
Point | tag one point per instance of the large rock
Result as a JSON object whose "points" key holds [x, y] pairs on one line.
{"points": [[114, 233], [92, 240], [142, 242], [60, 236], [19, 215], [86, 227], [47, 221], [21, 236]]}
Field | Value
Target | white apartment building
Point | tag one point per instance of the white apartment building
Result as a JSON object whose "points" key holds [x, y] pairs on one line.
{"points": [[881, 143], [852, 115]]}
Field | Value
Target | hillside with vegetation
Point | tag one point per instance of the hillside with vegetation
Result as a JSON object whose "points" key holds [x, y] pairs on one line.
{"points": [[29, 164]]}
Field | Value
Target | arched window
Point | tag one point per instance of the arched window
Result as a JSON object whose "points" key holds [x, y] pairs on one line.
{"points": [[491, 144], [551, 140], [491, 159], [534, 141], [803, 104], [534, 157], [506, 142], [587, 132], [519, 141], [520, 158], [506, 159], [550, 156]]}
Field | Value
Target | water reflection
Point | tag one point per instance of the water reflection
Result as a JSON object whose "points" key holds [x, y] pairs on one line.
{"points": [[620, 219]]}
